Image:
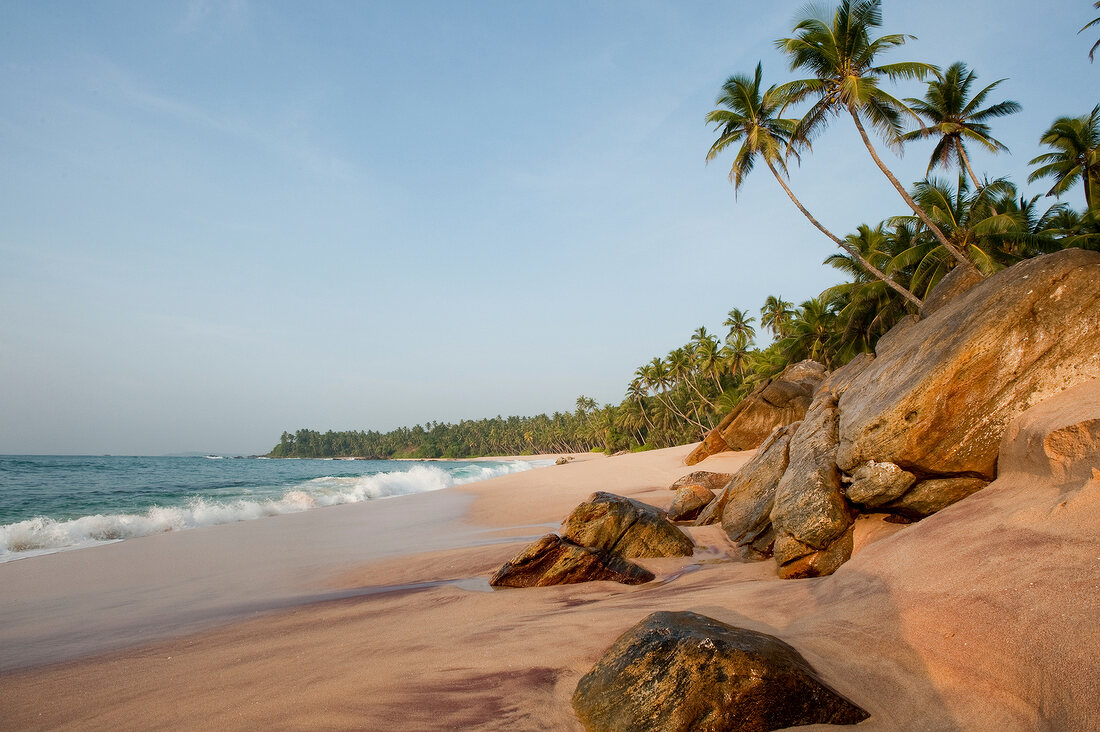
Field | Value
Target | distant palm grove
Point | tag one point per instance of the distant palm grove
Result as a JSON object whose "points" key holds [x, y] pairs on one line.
{"points": [[961, 219]]}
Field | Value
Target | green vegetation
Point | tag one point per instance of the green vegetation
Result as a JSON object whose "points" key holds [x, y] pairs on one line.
{"points": [[890, 267]]}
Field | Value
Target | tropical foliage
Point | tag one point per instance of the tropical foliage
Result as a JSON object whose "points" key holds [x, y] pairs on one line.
{"points": [[886, 269]]}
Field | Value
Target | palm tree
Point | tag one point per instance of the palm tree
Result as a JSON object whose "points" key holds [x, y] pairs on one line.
{"points": [[776, 314], [740, 325], [1076, 143], [749, 116], [955, 120], [840, 53], [1088, 25]]}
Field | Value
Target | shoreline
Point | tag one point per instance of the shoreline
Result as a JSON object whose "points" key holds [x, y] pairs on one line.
{"points": [[404, 636]]}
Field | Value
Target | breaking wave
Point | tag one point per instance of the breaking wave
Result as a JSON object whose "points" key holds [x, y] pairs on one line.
{"points": [[43, 535]]}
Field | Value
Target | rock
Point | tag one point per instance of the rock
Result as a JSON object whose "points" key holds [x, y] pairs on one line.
{"points": [[938, 400], [689, 501], [1058, 440], [555, 561], [562, 460], [875, 484], [626, 527], [705, 478], [806, 561], [746, 518], [953, 284], [892, 336], [809, 504], [776, 403], [929, 496], [681, 671], [840, 380]]}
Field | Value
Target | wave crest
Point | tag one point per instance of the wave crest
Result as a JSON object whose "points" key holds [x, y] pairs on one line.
{"points": [[42, 535]]}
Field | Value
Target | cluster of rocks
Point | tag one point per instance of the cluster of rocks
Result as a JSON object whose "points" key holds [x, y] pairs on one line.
{"points": [[916, 426], [597, 541]]}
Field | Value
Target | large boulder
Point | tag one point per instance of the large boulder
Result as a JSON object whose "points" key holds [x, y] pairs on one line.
{"points": [[688, 502], [555, 561], [776, 403], [938, 400], [680, 671], [746, 516], [626, 527], [811, 513]]}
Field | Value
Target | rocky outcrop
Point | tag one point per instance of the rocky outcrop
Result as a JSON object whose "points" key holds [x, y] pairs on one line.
{"points": [[688, 502], [555, 561], [777, 403], [705, 478], [678, 671], [953, 284], [746, 515], [810, 512], [938, 400], [626, 527], [1058, 440]]}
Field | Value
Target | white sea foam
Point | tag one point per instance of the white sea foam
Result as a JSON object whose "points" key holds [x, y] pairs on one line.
{"points": [[42, 535]]}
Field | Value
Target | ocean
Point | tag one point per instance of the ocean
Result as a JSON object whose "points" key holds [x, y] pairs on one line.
{"points": [[52, 503]]}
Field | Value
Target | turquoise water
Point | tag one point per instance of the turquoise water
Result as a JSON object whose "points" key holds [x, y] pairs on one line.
{"points": [[56, 502]]}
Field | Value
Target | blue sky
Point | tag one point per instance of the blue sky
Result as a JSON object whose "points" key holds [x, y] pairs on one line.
{"points": [[220, 220]]}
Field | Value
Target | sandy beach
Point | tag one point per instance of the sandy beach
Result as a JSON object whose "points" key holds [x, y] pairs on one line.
{"points": [[379, 616]]}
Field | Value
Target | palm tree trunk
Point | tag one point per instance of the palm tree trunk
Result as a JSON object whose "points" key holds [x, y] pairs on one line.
{"points": [[843, 244], [966, 162], [909, 199]]}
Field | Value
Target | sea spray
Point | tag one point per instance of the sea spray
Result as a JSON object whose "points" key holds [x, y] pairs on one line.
{"points": [[185, 497]]}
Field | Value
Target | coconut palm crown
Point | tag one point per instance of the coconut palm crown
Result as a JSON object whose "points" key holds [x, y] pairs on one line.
{"points": [[837, 48], [955, 119], [1076, 156]]}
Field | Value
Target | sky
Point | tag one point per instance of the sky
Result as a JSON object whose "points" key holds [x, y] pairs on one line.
{"points": [[222, 220]]}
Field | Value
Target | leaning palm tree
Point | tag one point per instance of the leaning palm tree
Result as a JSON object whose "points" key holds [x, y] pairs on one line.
{"points": [[750, 117], [840, 53], [955, 120], [1076, 143]]}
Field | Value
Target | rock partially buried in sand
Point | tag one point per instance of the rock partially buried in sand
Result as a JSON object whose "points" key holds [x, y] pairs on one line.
{"points": [[688, 502], [555, 561], [681, 671], [746, 517], [705, 478], [626, 527]]}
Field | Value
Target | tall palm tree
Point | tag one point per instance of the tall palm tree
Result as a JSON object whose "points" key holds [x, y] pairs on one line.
{"points": [[776, 314], [955, 120], [740, 327], [840, 53], [1091, 23], [750, 117], [1076, 143]]}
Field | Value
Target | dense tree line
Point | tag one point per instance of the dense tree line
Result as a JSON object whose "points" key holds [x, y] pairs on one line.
{"points": [[961, 220]]}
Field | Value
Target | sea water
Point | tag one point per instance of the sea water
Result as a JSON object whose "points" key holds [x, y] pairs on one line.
{"points": [[57, 502]]}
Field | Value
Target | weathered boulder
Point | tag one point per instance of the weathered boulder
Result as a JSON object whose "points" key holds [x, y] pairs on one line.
{"points": [[1058, 440], [626, 527], [809, 504], [938, 400], [876, 484], [688, 502], [555, 561], [678, 671], [808, 561], [705, 478], [929, 496], [776, 403], [953, 284], [746, 517]]}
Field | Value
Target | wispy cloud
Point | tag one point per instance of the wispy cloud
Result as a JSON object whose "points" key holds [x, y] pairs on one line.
{"points": [[217, 15]]}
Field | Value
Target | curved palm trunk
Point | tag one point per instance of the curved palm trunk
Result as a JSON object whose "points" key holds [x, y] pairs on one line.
{"points": [[909, 199], [843, 244], [966, 163]]}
